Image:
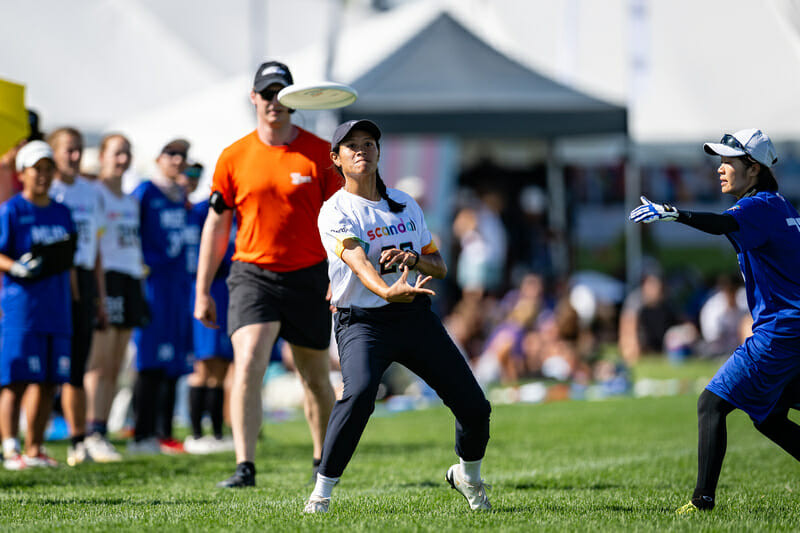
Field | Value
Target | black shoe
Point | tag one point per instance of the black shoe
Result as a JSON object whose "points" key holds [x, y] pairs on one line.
{"points": [[245, 476]]}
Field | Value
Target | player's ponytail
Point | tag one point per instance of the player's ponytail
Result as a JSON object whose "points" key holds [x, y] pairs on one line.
{"points": [[394, 206]]}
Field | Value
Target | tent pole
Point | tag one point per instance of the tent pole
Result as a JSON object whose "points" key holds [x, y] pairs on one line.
{"points": [[557, 212], [633, 232]]}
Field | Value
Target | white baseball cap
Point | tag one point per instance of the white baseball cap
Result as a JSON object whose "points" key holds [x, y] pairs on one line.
{"points": [[751, 141], [31, 153]]}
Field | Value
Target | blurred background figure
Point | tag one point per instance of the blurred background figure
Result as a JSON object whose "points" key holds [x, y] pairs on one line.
{"points": [[83, 199], [125, 306], [161, 356], [212, 348], [722, 316]]}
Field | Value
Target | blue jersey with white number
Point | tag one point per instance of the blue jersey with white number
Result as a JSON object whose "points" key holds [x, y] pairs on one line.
{"points": [[43, 305], [196, 218], [768, 248], [161, 229]]}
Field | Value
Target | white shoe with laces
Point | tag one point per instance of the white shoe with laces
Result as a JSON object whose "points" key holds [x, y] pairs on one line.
{"points": [[13, 461], [315, 504], [475, 493], [101, 450]]}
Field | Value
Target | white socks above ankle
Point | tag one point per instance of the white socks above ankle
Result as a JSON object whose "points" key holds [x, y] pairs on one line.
{"points": [[472, 470], [324, 486]]}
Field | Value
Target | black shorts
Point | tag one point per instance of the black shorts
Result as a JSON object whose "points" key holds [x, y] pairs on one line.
{"points": [[295, 299], [84, 312], [125, 303]]}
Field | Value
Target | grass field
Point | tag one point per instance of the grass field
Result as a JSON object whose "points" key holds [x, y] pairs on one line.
{"points": [[615, 465]]}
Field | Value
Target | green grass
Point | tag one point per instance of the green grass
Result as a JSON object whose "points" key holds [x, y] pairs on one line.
{"points": [[617, 465]]}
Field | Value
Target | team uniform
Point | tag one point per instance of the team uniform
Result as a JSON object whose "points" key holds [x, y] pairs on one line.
{"points": [[82, 197], [121, 249], [768, 248], [279, 271], [371, 333], [36, 326], [207, 342], [162, 223]]}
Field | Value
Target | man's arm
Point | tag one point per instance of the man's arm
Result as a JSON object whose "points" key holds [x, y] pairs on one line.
{"points": [[213, 244]]}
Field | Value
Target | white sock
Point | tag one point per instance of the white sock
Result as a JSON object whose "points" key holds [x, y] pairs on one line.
{"points": [[472, 470], [324, 486], [10, 445]]}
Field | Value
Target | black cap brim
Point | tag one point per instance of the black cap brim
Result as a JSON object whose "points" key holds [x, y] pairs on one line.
{"points": [[344, 129]]}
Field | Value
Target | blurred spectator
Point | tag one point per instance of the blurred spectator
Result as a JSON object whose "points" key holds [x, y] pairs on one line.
{"points": [[37, 244], [88, 308], [503, 358], [125, 306], [212, 348], [647, 315], [161, 356], [721, 317], [483, 244]]}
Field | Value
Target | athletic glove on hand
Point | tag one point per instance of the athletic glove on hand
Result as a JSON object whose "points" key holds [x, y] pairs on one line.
{"points": [[26, 267], [649, 212]]}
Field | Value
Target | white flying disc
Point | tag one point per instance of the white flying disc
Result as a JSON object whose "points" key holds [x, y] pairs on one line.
{"points": [[318, 95]]}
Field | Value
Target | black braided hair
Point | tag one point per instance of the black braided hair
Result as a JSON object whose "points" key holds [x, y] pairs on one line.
{"points": [[394, 205]]}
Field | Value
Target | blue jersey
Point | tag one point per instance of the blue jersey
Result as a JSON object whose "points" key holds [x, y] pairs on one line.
{"points": [[196, 217], [43, 305], [768, 248], [161, 228]]}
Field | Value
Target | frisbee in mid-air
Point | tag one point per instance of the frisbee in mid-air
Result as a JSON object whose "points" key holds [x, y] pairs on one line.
{"points": [[318, 95]]}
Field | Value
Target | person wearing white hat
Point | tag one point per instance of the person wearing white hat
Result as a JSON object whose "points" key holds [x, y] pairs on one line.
{"points": [[762, 376], [37, 245]]}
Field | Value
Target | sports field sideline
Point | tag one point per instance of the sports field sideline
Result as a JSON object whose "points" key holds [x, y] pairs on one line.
{"points": [[613, 465]]}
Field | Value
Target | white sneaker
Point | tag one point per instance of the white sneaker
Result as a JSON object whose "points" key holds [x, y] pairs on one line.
{"points": [[77, 454], [40, 461], [475, 493], [225, 444], [315, 504], [101, 450], [201, 446], [13, 461], [149, 446]]}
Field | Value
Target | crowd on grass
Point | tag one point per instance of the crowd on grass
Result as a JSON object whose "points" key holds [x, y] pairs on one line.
{"points": [[515, 320]]}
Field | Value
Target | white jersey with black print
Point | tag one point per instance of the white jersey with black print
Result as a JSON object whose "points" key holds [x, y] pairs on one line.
{"points": [[83, 199], [120, 245], [349, 216]]}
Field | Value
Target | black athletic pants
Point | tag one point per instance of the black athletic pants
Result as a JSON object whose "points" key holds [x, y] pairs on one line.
{"points": [[369, 340], [712, 412]]}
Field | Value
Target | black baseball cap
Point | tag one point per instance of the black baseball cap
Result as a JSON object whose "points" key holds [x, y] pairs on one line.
{"points": [[271, 72], [344, 129]]}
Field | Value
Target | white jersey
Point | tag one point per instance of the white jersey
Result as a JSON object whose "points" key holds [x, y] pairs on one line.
{"points": [[120, 245], [83, 200], [348, 216]]}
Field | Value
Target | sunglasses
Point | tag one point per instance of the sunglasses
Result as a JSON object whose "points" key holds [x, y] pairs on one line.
{"points": [[173, 153], [269, 94], [733, 142]]}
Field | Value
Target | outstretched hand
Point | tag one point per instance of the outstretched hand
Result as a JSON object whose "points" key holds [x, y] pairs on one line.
{"points": [[402, 291], [650, 212]]}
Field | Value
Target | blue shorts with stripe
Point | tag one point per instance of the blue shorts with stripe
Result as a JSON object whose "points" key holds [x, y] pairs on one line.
{"points": [[33, 357], [210, 342]]}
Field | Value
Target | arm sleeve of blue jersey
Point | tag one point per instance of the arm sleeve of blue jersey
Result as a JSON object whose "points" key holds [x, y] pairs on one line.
{"points": [[754, 218]]}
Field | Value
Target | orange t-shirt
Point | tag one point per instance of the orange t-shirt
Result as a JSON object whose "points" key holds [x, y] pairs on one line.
{"points": [[276, 192]]}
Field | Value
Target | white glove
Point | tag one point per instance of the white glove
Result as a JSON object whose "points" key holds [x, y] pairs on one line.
{"points": [[26, 267], [649, 212]]}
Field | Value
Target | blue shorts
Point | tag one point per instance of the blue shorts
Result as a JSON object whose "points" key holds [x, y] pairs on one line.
{"points": [[756, 375], [34, 357], [209, 342], [162, 344]]}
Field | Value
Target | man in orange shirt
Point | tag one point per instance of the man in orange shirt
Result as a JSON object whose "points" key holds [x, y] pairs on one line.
{"points": [[274, 180]]}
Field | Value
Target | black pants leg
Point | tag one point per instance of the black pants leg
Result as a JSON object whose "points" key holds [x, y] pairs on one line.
{"points": [[778, 428], [362, 360], [712, 441], [439, 363]]}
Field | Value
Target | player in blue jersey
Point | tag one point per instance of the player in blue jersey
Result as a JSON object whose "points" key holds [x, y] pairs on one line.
{"points": [[762, 377], [161, 351], [37, 245], [212, 348]]}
